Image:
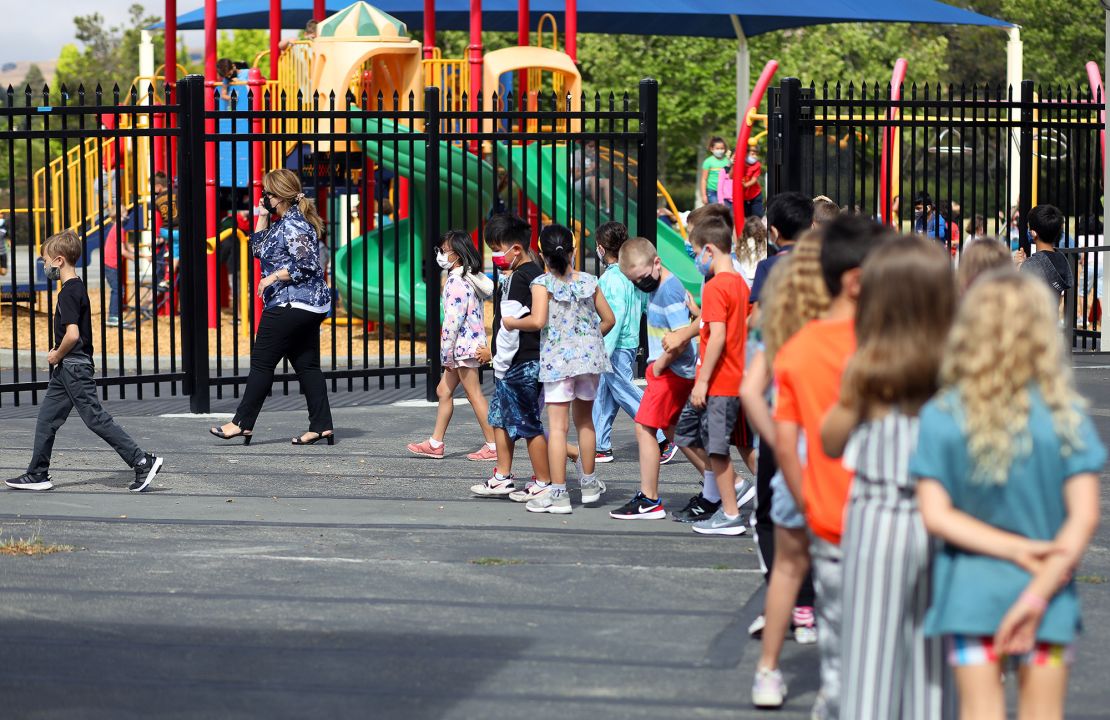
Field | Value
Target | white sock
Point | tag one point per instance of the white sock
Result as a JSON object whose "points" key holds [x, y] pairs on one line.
{"points": [[492, 445], [709, 487], [587, 478], [436, 444], [499, 476], [557, 490]]}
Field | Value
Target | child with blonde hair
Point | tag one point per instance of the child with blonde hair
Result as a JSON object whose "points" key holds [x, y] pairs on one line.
{"points": [[1007, 462]]}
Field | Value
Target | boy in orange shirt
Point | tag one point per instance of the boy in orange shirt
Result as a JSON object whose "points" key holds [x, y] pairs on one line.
{"points": [[807, 375], [706, 423]]}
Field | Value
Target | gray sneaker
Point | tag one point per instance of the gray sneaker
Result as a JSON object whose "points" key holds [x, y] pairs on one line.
{"points": [[591, 490], [549, 502], [718, 524], [768, 689], [745, 492]]}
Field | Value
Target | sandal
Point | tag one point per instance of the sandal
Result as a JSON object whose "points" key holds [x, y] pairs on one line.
{"points": [[245, 434], [326, 435]]}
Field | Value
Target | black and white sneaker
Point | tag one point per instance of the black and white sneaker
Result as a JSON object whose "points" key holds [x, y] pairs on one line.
{"points": [[29, 481], [640, 508], [696, 510], [145, 472], [603, 456]]}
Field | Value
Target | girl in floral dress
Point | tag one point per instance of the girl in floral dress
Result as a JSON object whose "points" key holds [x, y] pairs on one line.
{"points": [[462, 342], [572, 315]]}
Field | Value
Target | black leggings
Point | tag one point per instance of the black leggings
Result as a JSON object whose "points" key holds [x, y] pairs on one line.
{"points": [[292, 333], [764, 528]]}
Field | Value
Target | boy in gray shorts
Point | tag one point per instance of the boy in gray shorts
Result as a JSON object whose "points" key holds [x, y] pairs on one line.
{"points": [[710, 416]]}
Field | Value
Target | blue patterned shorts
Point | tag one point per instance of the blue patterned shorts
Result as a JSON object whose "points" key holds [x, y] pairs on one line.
{"points": [[515, 405]]}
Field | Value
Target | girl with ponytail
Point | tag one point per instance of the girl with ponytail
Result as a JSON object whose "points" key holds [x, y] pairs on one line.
{"points": [[572, 315], [296, 300]]}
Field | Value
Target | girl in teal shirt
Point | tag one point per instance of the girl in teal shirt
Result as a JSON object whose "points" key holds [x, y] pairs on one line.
{"points": [[1007, 461]]}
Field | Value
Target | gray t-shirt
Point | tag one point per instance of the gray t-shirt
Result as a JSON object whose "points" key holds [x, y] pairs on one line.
{"points": [[1053, 268]]}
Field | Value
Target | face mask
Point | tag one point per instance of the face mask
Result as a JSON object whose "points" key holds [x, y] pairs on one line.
{"points": [[703, 262], [648, 284], [268, 204], [601, 255], [53, 273], [918, 214], [718, 154], [501, 262], [443, 261]]}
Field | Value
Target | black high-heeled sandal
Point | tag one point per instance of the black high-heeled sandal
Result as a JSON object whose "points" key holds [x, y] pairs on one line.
{"points": [[245, 434], [330, 437]]}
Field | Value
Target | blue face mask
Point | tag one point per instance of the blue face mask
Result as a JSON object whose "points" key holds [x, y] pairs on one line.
{"points": [[703, 263]]}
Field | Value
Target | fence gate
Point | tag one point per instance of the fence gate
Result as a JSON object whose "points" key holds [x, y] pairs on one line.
{"points": [[975, 160]]}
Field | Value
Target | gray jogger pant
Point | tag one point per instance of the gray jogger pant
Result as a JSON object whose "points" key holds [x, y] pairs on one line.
{"points": [[828, 580], [71, 386]]}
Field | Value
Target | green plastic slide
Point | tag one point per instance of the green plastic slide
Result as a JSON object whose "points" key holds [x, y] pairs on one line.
{"points": [[528, 164], [379, 273]]}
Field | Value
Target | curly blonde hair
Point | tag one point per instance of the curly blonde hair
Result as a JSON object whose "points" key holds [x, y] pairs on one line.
{"points": [[1005, 339], [795, 294]]}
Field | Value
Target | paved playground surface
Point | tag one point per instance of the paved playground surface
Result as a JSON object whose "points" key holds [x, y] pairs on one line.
{"points": [[353, 581]]}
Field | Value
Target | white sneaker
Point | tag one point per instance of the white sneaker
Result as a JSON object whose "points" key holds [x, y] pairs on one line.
{"points": [[768, 689], [755, 630], [805, 635], [494, 487], [531, 490], [745, 492], [591, 490], [548, 502]]}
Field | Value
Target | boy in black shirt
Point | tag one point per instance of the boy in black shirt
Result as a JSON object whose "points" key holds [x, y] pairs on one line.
{"points": [[71, 380], [1046, 225], [515, 409]]}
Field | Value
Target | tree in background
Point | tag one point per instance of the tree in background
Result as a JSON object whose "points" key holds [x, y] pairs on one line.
{"points": [[110, 56], [243, 46]]}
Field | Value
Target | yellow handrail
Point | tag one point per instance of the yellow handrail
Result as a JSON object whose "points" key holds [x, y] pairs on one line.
{"points": [[554, 31], [672, 207]]}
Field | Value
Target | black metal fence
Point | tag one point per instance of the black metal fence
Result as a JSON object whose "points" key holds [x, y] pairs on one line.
{"points": [[978, 158], [389, 175]]}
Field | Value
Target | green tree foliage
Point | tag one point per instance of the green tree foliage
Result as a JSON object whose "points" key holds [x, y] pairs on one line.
{"points": [[242, 46], [110, 56]]}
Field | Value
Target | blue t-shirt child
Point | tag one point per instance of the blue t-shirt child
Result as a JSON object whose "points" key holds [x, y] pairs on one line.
{"points": [[667, 311], [971, 592]]}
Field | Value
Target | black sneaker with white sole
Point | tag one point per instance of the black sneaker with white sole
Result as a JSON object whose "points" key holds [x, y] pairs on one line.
{"points": [[640, 508], [145, 472], [30, 481], [603, 456], [696, 510]]}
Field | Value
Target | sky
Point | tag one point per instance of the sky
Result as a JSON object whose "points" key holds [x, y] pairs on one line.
{"points": [[43, 39]]}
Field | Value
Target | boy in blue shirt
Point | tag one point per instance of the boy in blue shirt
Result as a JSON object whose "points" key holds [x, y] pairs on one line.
{"points": [[670, 375]]}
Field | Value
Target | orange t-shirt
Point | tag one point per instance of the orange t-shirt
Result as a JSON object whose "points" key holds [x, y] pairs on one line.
{"points": [[807, 374], [725, 299]]}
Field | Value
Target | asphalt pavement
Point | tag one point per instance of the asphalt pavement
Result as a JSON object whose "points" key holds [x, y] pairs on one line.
{"points": [[353, 581]]}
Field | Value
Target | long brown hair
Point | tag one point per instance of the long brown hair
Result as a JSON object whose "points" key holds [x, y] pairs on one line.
{"points": [[285, 186], [981, 256], [906, 305]]}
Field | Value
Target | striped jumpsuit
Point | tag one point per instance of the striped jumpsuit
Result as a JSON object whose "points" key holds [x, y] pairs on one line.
{"points": [[890, 670]]}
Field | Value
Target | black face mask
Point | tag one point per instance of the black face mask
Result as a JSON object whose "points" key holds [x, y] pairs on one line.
{"points": [[648, 284], [268, 205]]}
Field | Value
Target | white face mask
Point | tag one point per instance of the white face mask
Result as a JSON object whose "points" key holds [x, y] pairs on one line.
{"points": [[718, 154], [601, 255], [443, 261]]}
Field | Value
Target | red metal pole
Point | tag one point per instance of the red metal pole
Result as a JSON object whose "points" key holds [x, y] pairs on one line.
{"points": [[171, 47], [318, 10], [522, 39], [572, 29], [210, 153], [275, 37], [258, 88], [475, 50], [429, 28]]}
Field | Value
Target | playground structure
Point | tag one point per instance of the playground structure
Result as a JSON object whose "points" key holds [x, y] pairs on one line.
{"points": [[363, 53]]}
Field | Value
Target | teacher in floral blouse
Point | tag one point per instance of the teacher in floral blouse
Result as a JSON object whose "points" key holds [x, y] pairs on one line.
{"points": [[296, 301]]}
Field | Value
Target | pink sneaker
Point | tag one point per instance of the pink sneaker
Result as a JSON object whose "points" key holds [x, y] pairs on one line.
{"points": [[483, 453], [425, 449]]}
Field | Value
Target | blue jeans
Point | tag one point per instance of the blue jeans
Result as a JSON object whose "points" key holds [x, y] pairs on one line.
{"points": [[111, 276], [616, 391], [754, 207]]}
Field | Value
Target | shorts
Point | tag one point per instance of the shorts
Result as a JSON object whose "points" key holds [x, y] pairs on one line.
{"points": [[515, 405], [465, 362], [784, 511], [709, 428], [664, 398], [579, 387], [967, 650]]}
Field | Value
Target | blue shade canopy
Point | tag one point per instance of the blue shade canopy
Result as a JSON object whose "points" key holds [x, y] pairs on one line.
{"points": [[693, 18]]}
